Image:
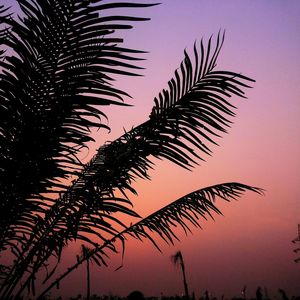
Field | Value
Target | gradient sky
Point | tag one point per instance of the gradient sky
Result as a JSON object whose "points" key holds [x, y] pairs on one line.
{"points": [[251, 244]]}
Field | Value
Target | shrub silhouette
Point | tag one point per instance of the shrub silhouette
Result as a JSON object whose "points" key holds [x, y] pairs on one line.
{"points": [[136, 295]]}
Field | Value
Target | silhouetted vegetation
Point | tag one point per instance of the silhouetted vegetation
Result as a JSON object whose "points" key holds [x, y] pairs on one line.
{"points": [[177, 260], [57, 59], [280, 294], [297, 242]]}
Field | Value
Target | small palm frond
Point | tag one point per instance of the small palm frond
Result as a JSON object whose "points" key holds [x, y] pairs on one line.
{"points": [[51, 86], [194, 110], [190, 209]]}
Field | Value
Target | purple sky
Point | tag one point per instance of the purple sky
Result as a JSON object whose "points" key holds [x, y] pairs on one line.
{"points": [[251, 244]]}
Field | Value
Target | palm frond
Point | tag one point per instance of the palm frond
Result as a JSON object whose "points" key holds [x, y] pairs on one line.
{"points": [[52, 82], [190, 209], [4, 15], [51, 87], [190, 113], [181, 117]]}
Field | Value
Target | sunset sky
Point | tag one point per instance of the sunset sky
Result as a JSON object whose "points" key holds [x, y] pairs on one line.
{"points": [[251, 244]]}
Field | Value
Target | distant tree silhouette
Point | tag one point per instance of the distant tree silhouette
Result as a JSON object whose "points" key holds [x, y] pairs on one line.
{"points": [[283, 294], [56, 62], [266, 293], [259, 295], [84, 253], [206, 295], [177, 260], [244, 292]]}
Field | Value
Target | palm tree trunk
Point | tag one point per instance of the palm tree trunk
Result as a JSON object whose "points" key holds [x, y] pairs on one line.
{"points": [[186, 290]]}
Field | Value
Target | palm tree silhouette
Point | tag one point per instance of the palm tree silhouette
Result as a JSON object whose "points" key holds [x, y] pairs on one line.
{"points": [[177, 260], [53, 81]]}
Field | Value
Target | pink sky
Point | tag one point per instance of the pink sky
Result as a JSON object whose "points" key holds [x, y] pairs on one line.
{"points": [[250, 245]]}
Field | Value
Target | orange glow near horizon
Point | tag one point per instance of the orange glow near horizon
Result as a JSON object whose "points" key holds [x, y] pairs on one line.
{"points": [[251, 244]]}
